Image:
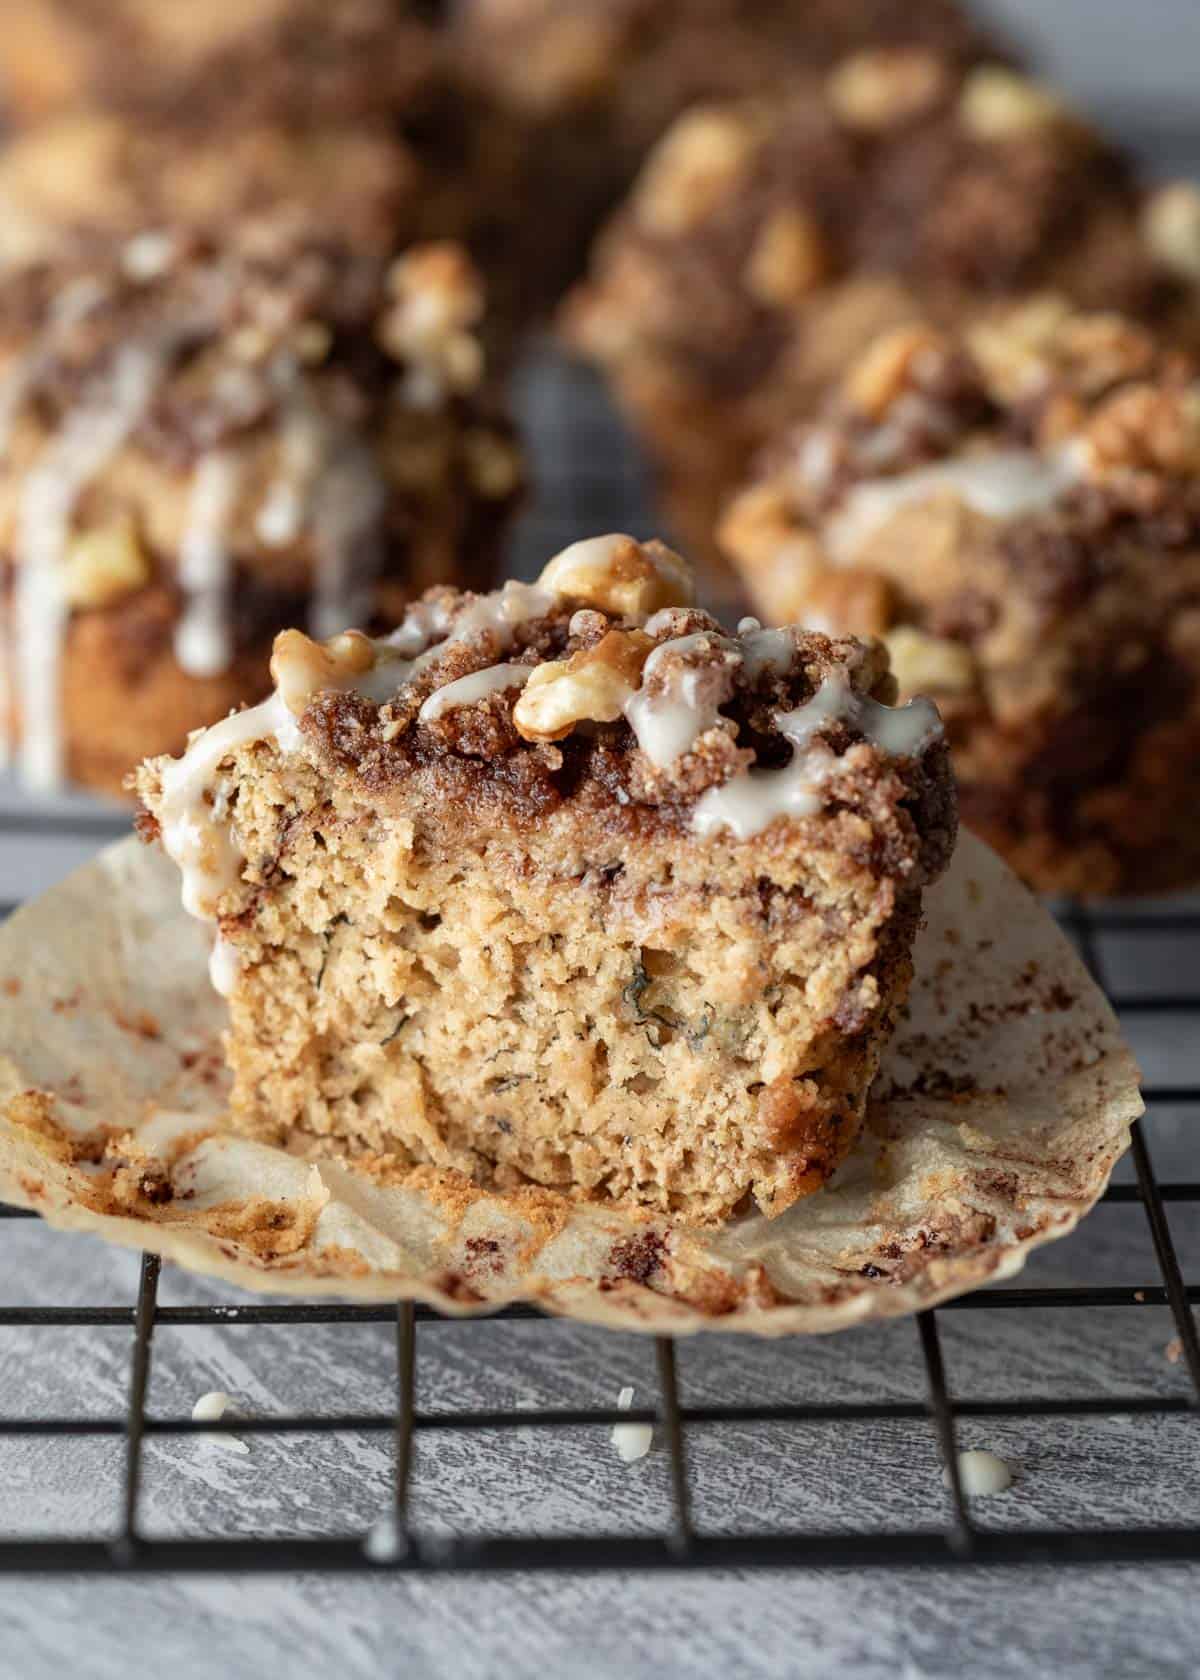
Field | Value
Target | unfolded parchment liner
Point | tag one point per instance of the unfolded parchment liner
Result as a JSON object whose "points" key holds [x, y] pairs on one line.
{"points": [[1004, 1100]]}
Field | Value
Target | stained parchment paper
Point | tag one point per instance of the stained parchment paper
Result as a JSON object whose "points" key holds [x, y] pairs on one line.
{"points": [[1003, 1102]]}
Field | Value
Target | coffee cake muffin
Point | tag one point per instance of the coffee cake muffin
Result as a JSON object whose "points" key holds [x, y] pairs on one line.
{"points": [[203, 444], [337, 62], [565, 886], [767, 242], [599, 81], [71, 187], [347, 115], [1015, 510], [645, 61]]}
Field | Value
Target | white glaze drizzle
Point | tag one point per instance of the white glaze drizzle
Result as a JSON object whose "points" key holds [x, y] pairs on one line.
{"points": [[750, 801], [659, 621], [1001, 485], [88, 440], [670, 721], [765, 650], [347, 518], [224, 966], [194, 833], [210, 1408], [503, 611], [328, 479], [203, 635], [194, 828], [72, 304], [464, 691]]}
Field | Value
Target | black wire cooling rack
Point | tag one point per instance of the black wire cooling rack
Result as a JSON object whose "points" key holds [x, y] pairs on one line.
{"points": [[961, 1542]]}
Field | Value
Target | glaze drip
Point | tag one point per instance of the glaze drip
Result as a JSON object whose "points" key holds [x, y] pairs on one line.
{"points": [[91, 436]]}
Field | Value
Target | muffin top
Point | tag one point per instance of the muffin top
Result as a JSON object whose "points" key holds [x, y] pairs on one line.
{"points": [[899, 164]]}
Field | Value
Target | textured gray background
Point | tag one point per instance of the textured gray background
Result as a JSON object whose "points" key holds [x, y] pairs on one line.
{"points": [[1138, 66]]}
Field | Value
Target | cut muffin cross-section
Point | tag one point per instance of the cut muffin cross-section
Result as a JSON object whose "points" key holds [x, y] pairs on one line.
{"points": [[564, 885]]}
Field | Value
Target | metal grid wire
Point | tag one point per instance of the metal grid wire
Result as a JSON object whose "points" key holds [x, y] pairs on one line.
{"points": [[574, 429]]}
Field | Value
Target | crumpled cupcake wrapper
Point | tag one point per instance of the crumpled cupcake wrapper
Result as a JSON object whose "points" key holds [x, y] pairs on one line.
{"points": [[1003, 1101]]}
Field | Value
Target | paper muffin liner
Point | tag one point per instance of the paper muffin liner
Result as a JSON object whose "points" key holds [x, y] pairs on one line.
{"points": [[1003, 1101]]}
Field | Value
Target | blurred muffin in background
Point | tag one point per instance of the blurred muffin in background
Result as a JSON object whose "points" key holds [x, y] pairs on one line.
{"points": [[279, 60], [1015, 511], [599, 81], [173, 113], [767, 241], [81, 181], [205, 442]]}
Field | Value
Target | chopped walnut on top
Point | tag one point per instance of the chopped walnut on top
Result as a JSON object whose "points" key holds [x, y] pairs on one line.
{"points": [[906, 356], [694, 168], [789, 258], [438, 301], [620, 575], [1171, 227], [999, 104], [1147, 428], [592, 686], [105, 564], [301, 667], [882, 87]]}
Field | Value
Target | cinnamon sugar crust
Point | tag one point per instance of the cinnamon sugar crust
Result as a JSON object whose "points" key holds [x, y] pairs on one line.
{"points": [[480, 916], [1014, 510]]}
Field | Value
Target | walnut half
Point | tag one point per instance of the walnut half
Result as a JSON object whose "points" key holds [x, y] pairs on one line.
{"points": [[620, 575], [590, 687], [301, 667]]}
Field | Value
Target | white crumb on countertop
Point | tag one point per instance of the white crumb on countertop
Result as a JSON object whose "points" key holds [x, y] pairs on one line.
{"points": [[632, 1440], [208, 1409], [384, 1541], [981, 1473]]}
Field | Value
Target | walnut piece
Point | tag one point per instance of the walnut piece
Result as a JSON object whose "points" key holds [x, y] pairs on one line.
{"points": [[848, 601], [885, 86], [438, 302], [104, 565], [998, 104], [1171, 228], [301, 667], [788, 259], [889, 363], [1023, 348], [693, 168], [492, 462], [591, 686], [620, 575], [925, 664], [1149, 429]]}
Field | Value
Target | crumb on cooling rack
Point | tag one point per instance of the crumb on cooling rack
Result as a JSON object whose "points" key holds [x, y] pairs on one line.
{"points": [[632, 1440], [981, 1474]]}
